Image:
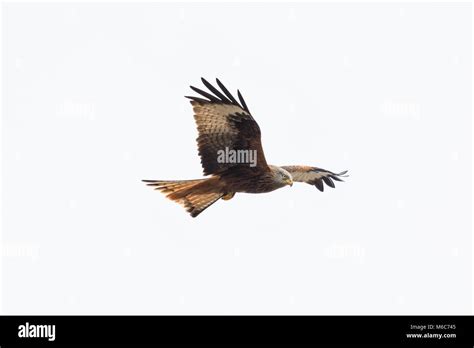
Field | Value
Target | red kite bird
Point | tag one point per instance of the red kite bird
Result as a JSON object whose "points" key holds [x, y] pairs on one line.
{"points": [[231, 152]]}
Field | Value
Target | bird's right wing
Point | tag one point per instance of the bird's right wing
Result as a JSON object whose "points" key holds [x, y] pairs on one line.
{"points": [[224, 124], [314, 176]]}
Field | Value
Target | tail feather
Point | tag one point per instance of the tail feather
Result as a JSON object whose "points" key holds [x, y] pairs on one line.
{"points": [[188, 193]]}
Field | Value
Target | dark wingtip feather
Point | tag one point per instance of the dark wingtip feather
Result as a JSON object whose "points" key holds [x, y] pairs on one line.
{"points": [[335, 177], [226, 92], [329, 182], [197, 99], [319, 185], [242, 101], [216, 92], [205, 94]]}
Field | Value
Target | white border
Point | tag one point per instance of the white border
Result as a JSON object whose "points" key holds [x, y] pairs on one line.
{"points": [[2, 2]]}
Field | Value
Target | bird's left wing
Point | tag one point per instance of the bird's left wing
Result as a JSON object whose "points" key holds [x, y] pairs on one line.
{"points": [[315, 176]]}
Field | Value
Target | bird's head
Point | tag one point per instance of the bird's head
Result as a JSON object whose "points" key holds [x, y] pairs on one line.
{"points": [[282, 177]]}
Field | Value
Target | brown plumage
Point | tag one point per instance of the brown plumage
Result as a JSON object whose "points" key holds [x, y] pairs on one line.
{"points": [[225, 126]]}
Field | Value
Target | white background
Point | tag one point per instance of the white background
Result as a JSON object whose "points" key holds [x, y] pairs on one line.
{"points": [[93, 102]]}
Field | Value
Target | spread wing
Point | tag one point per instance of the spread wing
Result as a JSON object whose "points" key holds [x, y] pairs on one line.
{"points": [[224, 124], [315, 176]]}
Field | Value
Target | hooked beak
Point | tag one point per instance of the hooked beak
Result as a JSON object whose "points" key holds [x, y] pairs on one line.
{"points": [[289, 182]]}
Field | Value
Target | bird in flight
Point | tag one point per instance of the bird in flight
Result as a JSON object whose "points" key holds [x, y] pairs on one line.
{"points": [[229, 144]]}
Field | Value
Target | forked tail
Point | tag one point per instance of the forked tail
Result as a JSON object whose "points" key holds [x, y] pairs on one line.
{"points": [[194, 195]]}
